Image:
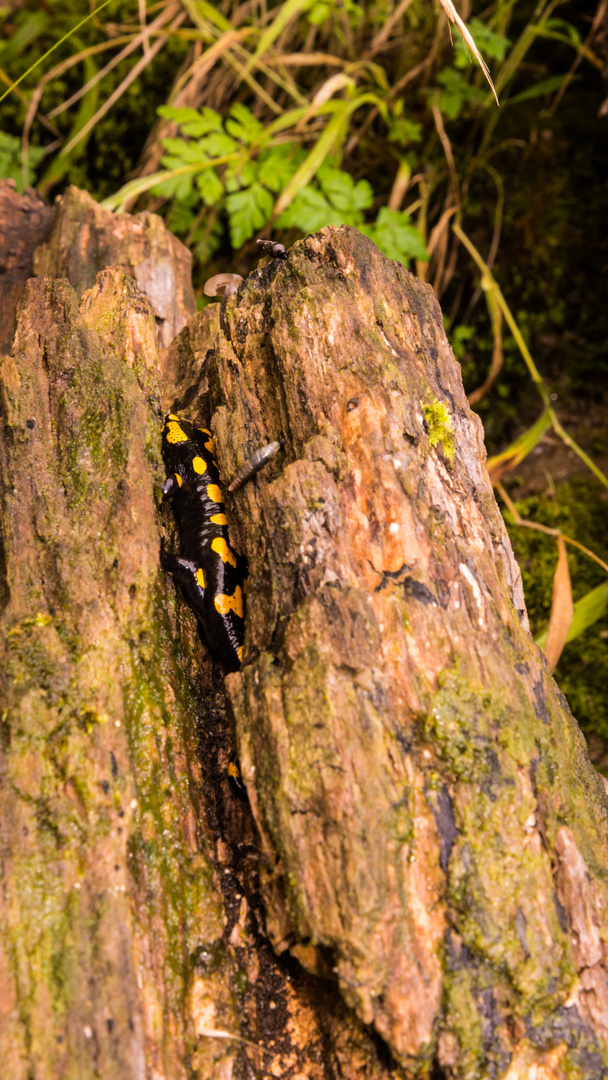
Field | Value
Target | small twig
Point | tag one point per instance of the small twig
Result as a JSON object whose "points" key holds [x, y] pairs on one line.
{"points": [[447, 149]]}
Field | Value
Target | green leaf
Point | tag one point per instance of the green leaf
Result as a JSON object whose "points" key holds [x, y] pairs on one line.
{"points": [[460, 337], [191, 121], [174, 186], [32, 28], [456, 93], [519, 449], [545, 86], [488, 42], [309, 211], [278, 165], [183, 153], [315, 158], [210, 187], [342, 192], [242, 124], [218, 144], [248, 211], [404, 131], [240, 175], [396, 236], [587, 611]]}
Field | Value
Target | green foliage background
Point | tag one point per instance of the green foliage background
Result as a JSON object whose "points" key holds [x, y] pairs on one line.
{"points": [[314, 112]]}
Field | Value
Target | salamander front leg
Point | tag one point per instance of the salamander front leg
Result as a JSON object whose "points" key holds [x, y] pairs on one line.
{"points": [[171, 485], [189, 577]]}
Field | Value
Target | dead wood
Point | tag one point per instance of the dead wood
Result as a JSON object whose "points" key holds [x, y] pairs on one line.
{"points": [[427, 851], [25, 222], [432, 833], [86, 238], [131, 927]]}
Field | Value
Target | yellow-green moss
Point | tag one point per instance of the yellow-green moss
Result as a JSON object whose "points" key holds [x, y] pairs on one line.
{"points": [[441, 427]]}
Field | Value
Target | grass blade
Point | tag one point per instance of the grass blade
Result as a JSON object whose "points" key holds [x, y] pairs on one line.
{"points": [[313, 161], [55, 46], [286, 13]]}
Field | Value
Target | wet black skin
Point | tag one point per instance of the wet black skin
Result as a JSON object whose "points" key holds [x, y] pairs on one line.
{"points": [[192, 460]]}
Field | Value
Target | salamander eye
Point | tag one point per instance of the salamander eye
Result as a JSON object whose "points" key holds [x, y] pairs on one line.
{"points": [[352, 404]]}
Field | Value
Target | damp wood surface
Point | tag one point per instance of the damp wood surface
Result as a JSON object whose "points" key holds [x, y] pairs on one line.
{"points": [[25, 223], [132, 937], [417, 883], [432, 834]]}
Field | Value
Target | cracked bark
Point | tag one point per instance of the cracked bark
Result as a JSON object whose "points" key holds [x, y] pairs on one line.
{"points": [[426, 846]]}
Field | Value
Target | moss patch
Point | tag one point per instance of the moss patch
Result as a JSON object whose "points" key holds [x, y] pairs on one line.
{"points": [[441, 427]]}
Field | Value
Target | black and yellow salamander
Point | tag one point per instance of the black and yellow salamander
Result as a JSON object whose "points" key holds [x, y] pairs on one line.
{"points": [[209, 572]]}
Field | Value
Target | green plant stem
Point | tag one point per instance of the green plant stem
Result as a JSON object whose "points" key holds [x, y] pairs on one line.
{"points": [[142, 184]]}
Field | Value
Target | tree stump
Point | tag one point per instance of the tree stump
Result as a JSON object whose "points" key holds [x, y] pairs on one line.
{"points": [[85, 239], [25, 222], [426, 846]]}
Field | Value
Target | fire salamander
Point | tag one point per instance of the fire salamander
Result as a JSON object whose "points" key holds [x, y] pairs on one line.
{"points": [[209, 572]]}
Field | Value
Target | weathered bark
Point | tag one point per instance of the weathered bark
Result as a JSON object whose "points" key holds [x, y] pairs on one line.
{"points": [[25, 222], [431, 838], [85, 239], [130, 920], [432, 833]]}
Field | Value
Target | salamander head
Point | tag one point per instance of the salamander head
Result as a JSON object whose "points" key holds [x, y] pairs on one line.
{"points": [[178, 447]]}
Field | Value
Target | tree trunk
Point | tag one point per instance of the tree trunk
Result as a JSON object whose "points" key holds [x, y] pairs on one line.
{"points": [[427, 844]]}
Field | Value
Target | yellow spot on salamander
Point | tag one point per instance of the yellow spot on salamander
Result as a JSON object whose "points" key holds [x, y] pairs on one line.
{"points": [[220, 546], [175, 433], [200, 577], [178, 478], [210, 446], [224, 603], [205, 431], [172, 416], [199, 465], [218, 519], [233, 770], [214, 493], [239, 653]]}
